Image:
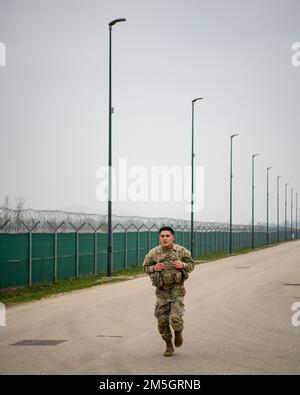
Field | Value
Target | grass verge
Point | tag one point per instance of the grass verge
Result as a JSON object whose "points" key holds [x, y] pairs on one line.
{"points": [[220, 255], [12, 296]]}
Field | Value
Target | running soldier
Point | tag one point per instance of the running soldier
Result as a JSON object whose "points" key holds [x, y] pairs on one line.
{"points": [[168, 266]]}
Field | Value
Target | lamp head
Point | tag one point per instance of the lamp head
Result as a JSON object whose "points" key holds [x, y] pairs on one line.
{"points": [[197, 98], [116, 21]]}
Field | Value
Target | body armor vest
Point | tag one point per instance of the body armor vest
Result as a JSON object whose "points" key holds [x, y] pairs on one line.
{"points": [[170, 274]]}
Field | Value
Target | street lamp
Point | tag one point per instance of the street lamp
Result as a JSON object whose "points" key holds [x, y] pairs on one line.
{"points": [[110, 110], [231, 176], [278, 177], [285, 215], [268, 168], [292, 190], [253, 156], [192, 181]]}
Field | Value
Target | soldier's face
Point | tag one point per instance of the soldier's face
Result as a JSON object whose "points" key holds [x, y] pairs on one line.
{"points": [[166, 239]]}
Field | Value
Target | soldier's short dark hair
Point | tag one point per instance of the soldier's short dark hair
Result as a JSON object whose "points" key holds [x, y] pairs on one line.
{"points": [[167, 228]]}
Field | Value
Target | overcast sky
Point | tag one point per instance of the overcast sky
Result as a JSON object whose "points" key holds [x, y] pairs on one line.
{"points": [[54, 99]]}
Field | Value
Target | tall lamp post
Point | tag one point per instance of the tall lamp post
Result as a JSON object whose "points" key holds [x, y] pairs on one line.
{"points": [[278, 177], [192, 194], [268, 169], [285, 212], [252, 238], [231, 176], [110, 110], [292, 190]]}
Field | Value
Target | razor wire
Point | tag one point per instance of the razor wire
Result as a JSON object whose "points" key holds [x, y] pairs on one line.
{"points": [[51, 221]]}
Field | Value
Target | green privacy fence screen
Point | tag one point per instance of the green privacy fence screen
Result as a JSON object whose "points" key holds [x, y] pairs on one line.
{"points": [[33, 258]]}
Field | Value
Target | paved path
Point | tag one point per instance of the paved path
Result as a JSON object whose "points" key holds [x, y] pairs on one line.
{"points": [[238, 320]]}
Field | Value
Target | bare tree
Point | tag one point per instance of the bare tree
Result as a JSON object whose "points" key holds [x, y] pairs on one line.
{"points": [[6, 206], [20, 205], [4, 210], [6, 203], [10, 213]]}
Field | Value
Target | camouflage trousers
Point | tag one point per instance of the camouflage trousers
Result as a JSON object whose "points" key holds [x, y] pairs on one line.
{"points": [[169, 309]]}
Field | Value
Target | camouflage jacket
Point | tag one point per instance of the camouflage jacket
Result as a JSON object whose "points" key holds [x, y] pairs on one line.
{"points": [[169, 276]]}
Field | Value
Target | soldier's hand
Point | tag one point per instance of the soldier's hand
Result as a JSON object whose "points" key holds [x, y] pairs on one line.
{"points": [[159, 266], [178, 264]]}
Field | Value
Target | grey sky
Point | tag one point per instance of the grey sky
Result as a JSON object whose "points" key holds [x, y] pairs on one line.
{"points": [[54, 99]]}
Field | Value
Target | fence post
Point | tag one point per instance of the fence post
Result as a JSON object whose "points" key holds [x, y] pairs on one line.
{"points": [[198, 241], [95, 250], [95, 246], [30, 230], [132, 226], [112, 251], [126, 247], [55, 247], [242, 237], [138, 244], [186, 230], [149, 238], [77, 247]]}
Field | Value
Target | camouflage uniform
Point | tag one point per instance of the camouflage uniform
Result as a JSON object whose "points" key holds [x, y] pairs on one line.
{"points": [[169, 286]]}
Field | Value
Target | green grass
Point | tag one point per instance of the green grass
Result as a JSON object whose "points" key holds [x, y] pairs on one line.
{"points": [[130, 271], [36, 292], [220, 255]]}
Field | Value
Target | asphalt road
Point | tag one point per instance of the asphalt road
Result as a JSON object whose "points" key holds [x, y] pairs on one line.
{"points": [[238, 320]]}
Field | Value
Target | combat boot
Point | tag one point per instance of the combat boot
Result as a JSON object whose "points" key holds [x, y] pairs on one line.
{"points": [[178, 339], [169, 350]]}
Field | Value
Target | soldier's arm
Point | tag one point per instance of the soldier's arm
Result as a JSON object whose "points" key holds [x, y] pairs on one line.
{"points": [[148, 264], [188, 261]]}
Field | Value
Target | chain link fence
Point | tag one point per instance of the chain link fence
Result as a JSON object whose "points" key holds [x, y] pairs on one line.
{"points": [[46, 246]]}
